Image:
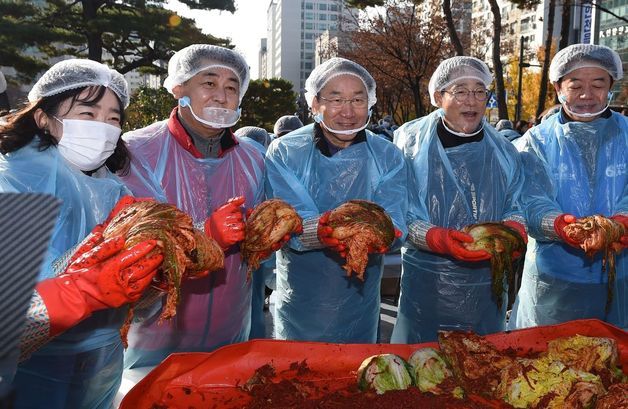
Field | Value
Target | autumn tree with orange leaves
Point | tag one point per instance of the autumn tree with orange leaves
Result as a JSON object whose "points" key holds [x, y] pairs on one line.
{"points": [[400, 44]]}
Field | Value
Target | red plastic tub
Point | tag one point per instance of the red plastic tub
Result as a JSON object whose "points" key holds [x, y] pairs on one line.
{"points": [[211, 380]]}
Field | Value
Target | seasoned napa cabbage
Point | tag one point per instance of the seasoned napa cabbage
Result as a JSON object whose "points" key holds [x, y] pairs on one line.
{"points": [[384, 372]]}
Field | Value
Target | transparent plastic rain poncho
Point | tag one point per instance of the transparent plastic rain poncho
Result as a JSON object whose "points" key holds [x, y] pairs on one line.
{"points": [[470, 183], [455, 69], [332, 68], [191, 60], [83, 366], [577, 168], [79, 73], [585, 55], [265, 274], [216, 310], [315, 299]]}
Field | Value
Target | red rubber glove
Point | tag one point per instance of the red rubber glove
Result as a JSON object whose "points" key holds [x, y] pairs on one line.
{"points": [[620, 218], [226, 224], [384, 249], [559, 225], [324, 232], [107, 276], [450, 242]]}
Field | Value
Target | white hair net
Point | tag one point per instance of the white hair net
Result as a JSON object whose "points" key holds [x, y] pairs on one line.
{"points": [[3, 83], [79, 73], [287, 123], [332, 68], [195, 58], [458, 68], [585, 55]]}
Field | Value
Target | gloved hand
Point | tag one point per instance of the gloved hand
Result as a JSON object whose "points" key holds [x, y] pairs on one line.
{"points": [[226, 224], [559, 225], [103, 276], [324, 232], [620, 218], [384, 249], [450, 242]]}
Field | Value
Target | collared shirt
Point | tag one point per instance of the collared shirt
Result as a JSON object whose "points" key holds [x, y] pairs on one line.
{"points": [[450, 140], [195, 143], [329, 149]]}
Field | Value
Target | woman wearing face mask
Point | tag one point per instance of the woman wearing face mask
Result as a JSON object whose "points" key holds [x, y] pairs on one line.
{"points": [[65, 142], [462, 172], [575, 163]]}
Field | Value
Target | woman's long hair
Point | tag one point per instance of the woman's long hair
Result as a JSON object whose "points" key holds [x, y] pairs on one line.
{"points": [[20, 127]]}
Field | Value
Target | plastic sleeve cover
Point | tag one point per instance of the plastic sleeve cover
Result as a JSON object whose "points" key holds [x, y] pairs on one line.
{"points": [[417, 232], [37, 329]]}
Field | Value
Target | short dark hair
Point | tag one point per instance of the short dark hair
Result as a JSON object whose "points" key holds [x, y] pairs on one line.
{"points": [[21, 128]]}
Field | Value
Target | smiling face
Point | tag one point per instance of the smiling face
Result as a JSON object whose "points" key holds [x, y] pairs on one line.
{"points": [[464, 115], [586, 90], [347, 116], [86, 107], [216, 87]]}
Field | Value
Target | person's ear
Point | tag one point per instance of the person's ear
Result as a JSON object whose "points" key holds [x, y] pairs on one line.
{"points": [[438, 97], [177, 91], [41, 119], [315, 108]]}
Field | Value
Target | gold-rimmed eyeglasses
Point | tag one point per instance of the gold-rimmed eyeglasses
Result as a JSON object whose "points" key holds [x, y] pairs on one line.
{"points": [[336, 103], [463, 94]]}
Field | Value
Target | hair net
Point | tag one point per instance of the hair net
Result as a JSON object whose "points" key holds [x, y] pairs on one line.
{"points": [[457, 68], [503, 124], [332, 68], [195, 58], [79, 73], [287, 123], [3, 83], [585, 55], [259, 135]]}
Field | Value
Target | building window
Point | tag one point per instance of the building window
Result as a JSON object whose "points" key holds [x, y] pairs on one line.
{"points": [[322, 26], [309, 46], [309, 15], [309, 6], [333, 17], [322, 6], [308, 26], [333, 7], [308, 65], [322, 17], [309, 36]]}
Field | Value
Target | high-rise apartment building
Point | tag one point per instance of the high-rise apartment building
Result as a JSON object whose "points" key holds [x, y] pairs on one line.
{"points": [[292, 29]]}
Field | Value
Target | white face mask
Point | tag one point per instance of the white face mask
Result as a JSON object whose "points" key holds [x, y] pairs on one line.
{"points": [[87, 144], [214, 117]]}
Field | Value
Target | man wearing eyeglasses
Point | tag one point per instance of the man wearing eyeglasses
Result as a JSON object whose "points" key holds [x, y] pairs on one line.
{"points": [[462, 172], [315, 169]]}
